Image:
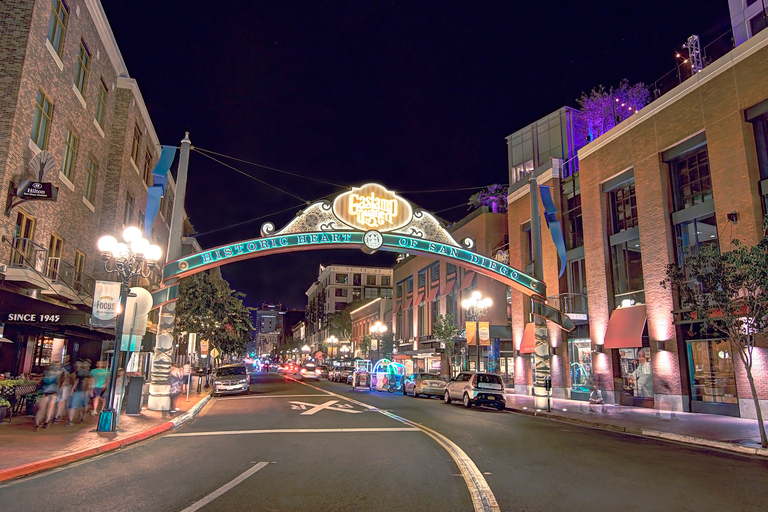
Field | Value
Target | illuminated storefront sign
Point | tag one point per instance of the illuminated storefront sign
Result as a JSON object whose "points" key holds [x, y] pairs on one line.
{"points": [[350, 239], [372, 207]]}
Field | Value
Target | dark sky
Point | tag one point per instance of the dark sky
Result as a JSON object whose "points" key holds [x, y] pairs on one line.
{"points": [[415, 95]]}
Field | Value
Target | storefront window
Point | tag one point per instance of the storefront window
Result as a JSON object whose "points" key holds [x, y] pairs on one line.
{"points": [[637, 375], [713, 376], [43, 353], [580, 352]]}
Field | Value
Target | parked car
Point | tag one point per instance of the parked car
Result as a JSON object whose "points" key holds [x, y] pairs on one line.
{"points": [[345, 375], [309, 372], [323, 371], [231, 378], [474, 388], [429, 384]]}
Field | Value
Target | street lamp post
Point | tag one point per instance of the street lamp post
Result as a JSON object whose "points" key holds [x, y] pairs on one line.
{"points": [[377, 332], [476, 307], [305, 350], [344, 350], [127, 261], [332, 342]]}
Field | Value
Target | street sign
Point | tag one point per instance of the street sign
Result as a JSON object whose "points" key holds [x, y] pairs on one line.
{"points": [[215, 353], [553, 315]]}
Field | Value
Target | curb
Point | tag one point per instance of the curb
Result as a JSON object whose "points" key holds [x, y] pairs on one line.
{"points": [[656, 434], [54, 462]]}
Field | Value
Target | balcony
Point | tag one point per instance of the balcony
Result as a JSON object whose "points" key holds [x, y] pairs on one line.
{"points": [[574, 305], [67, 283], [26, 268]]}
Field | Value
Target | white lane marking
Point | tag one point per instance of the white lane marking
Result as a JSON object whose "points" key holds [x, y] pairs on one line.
{"points": [[295, 431], [224, 488], [479, 490], [310, 409]]}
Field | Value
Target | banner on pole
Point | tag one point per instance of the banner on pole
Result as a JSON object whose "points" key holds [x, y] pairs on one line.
{"points": [[485, 331], [106, 301]]}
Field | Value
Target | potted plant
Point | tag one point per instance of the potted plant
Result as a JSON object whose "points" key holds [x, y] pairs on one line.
{"points": [[4, 406]]}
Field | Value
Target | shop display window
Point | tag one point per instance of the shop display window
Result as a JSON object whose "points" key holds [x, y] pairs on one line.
{"points": [[580, 352], [713, 376], [43, 353], [637, 375]]}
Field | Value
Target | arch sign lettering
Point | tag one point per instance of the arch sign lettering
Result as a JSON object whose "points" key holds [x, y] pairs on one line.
{"points": [[370, 218]]}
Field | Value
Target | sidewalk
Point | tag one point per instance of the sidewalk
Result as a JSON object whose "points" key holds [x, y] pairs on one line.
{"points": [[737, 435], [25, 451]]}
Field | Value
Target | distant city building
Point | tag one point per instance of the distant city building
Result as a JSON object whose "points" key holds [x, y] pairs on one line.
{"points": [[748, 18]]}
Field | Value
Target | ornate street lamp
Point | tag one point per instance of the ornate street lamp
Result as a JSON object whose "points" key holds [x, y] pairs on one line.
{"points": [[127, 260], [305, 350], [377, 332], [344, 350], [332, 341], [476, 308]]}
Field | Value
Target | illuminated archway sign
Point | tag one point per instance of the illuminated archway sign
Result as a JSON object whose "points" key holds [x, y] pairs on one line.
{"points": [[370, 218]]}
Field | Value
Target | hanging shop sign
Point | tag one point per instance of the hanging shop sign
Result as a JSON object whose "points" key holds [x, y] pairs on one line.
{"points": [[34, 189], [372, 207], [106, 300]]}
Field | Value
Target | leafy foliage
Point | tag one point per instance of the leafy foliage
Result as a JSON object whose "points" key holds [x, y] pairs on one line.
{"points": [[210, 308], [494, 197], [340, 324], [364, 347], [728, 293], [605, 109], [445, 330]]}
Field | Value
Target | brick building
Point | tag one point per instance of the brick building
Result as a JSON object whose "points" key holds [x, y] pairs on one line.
{"points": [[691, 168], [67, 97]]}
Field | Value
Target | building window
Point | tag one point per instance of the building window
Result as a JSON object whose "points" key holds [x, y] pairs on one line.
{"points": [[136, 144], [357, 280], [385, 281], [371, 293], [90, 180], [128, 212], [422, 320], [23, 245], [760, 125], [42, 123], [356, 294], [341, 292], [690, 177], [451, 306], [627, 270], [574, 230], [70, 155], [370, 280], [410, 285], [339, 306], [693, 235], [450, 269], [83, 64], [55, 247], [57, 26], [140, 221], [714, 378], [399, 290], [342, 278], [101, 104], [435, 273], [385, 293], [624, 207], [422, 279], [148, 167], [79, 269], [527, 242]]}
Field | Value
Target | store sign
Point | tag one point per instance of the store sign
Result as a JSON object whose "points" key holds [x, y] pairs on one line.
{"points": [[106, 301], [32, 318], [36, 190], [372, 207]]}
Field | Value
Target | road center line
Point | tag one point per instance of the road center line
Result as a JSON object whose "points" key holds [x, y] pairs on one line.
{"points": [[479, 490], [224, 488], [293, 431]]}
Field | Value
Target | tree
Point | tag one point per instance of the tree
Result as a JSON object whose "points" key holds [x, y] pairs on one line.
{"points": [[605, 109], [209, 307], [445, 330], [728, 293], [494, 197], [340, 324], [388, 345], [364, 347]]}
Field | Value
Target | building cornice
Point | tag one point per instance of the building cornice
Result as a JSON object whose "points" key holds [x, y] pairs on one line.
{"points": [[107, 37], [133, 86]]}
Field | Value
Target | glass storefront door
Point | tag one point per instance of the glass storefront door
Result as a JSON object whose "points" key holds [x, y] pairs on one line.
{"points": [[713, 380], [580, 352]]}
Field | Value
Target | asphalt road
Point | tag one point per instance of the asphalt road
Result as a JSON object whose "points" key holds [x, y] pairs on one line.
{"points": [[322, 447]]}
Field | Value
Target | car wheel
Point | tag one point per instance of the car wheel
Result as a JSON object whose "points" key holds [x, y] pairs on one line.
{"points": [[404, 393], [447, 398], [500, 407], [467, 401]]}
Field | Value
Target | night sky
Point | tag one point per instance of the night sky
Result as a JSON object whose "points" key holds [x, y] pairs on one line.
{"points": [[415, 95]]}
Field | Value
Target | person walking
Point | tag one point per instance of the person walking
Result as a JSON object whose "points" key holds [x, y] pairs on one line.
{"points": [[99, 377], [80, 391], [49, 387], [66, 379]]}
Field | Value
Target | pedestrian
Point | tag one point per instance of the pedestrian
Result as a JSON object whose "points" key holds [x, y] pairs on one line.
{"points": [[176, 380], [119, 391], [80, 392], [98, 384], [49, 387], [596, 396], [66, 379], [187, 377]]}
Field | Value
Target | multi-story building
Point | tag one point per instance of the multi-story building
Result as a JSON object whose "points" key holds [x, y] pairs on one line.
{"points": [[268, 327], [748, 18], [425, 288], [362, 318], [68, 99], [689, 169], [336, 287]]}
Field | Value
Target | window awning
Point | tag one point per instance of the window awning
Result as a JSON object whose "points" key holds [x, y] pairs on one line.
{"points": [[398, 305], [408, 303], [469, 277], [625, 328], [419, 299], [433, 293], [448, 288], [528, 343]]}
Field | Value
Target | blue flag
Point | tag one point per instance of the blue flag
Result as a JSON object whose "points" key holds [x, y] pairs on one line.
{"points": [[555, 229]]}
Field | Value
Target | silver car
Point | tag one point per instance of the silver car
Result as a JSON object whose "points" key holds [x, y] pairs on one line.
{"points": [[229, 379], [474, 388], [429, 384]]}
